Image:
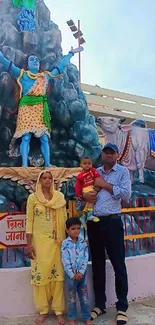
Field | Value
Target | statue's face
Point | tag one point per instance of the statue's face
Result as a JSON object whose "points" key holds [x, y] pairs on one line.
{"points": [[33, 63]]}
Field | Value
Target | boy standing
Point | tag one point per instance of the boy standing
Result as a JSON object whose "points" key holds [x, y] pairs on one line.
{"points": [[75, 259]]}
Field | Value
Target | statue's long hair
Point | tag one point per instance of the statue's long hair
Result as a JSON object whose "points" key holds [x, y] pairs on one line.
{"points": [[16, 87]]}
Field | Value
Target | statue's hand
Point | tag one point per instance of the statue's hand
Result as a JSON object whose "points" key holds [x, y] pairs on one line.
{"points": [[77, 50]]}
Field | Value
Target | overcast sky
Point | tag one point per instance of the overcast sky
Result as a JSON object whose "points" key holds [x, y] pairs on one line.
{"points": [[120, 41]]}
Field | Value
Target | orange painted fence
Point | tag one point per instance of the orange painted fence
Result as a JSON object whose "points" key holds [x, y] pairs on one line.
{"points": [[139, 223]]}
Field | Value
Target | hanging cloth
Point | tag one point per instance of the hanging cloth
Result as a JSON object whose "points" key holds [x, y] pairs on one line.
{"points": [[28, 4]]}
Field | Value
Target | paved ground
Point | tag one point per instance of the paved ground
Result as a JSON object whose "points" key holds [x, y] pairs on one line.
{"points": [[142, 313]]}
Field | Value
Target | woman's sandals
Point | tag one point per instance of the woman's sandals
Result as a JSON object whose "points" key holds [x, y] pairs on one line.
{"points": [[121, 318], [96, 312]]}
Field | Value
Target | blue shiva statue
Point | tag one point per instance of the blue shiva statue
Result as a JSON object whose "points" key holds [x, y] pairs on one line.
{"points": [[33, 113]]}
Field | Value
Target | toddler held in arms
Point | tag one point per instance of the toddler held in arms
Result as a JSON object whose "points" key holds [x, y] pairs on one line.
{"points": [[85, 184]]}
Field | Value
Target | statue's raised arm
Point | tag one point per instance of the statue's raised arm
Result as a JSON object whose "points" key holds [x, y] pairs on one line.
{"points": [[61, 66], [9, 66]]}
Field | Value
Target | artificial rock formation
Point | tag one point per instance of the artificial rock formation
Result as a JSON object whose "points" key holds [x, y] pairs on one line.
{"points": [[74, 133]]}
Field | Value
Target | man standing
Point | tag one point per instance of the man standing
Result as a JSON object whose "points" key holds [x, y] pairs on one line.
{"points": [[108, 233]]}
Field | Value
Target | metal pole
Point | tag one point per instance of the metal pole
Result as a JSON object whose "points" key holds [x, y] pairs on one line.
{"points": [[79, 52]]}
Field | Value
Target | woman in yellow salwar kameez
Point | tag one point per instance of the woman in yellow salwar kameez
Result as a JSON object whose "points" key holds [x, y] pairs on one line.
{"points": [[45, 229]]}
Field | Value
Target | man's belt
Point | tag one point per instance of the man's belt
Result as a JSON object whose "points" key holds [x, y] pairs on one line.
{"points": [[110, 217]]}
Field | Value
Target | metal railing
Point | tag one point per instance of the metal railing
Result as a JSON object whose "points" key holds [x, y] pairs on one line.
{"points": [[139, 224]]}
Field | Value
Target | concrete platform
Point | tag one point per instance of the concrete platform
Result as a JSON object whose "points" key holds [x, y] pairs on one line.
{"points": [[19, 300], [142, 313]]}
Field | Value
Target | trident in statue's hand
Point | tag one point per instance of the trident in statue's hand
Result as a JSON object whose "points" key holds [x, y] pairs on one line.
{"points": [[77, 50]]}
